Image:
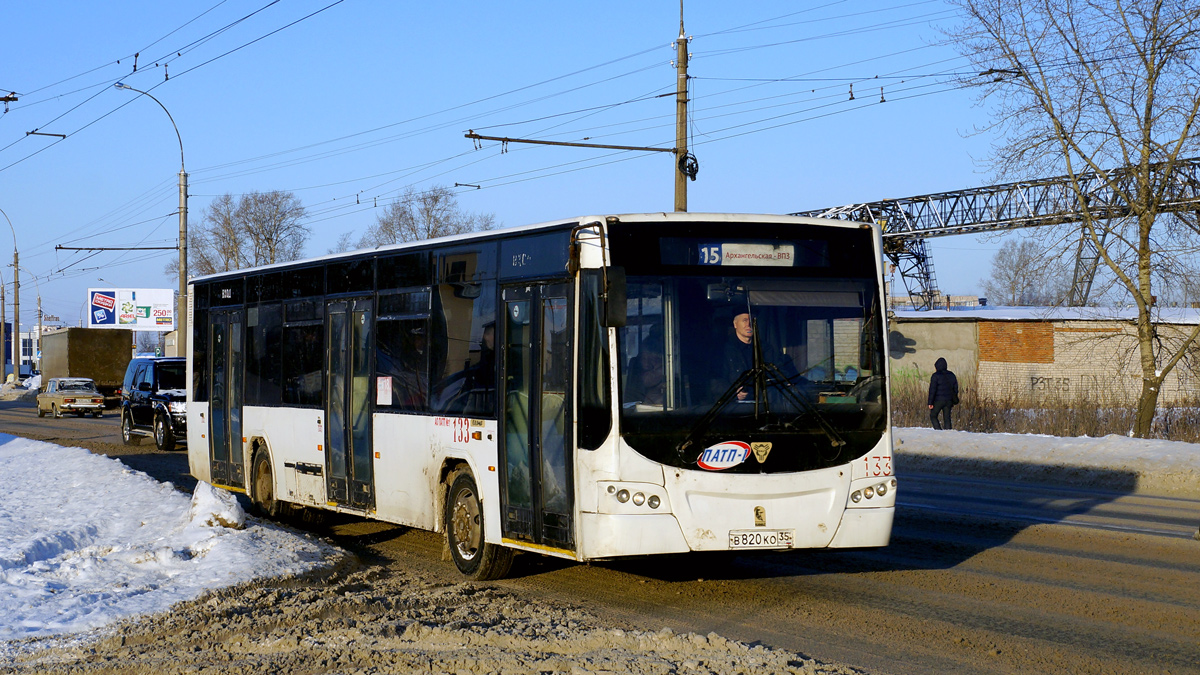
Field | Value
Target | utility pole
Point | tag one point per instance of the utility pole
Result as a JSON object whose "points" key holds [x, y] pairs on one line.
{"points": [[3, 329], [37, 350], [16, 347], [181, 312], [685, 165], [681, 101]]}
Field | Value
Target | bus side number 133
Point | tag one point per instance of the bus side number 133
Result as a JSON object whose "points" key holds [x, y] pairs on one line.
{"points": [[878, 465]]}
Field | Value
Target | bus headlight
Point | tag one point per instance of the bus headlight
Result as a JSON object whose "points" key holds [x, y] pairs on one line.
{"points": [[639, 499], [654, 501], [623, 496], [856, 497], [881, 489], [868, 492]]}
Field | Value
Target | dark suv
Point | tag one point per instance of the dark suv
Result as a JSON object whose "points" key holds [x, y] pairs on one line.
{"points": [[154, 400]]}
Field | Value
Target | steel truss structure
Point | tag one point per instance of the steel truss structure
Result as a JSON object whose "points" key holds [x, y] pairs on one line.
{"points": [[1046, 201]]}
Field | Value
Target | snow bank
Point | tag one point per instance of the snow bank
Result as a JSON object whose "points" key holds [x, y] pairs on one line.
{"points": [[85, 541], [1112, 462], [18, 392]]}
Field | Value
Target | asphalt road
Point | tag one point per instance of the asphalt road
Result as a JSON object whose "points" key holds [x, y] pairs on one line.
{"points": [[982, 576]]}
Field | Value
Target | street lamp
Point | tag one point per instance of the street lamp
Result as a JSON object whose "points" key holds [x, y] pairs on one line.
{"points": [[16, 344], [181, 322]]}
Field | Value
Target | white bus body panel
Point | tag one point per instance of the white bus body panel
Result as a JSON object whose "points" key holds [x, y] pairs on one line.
{"points": [[410, 452], [197, 439], [294, 436]]}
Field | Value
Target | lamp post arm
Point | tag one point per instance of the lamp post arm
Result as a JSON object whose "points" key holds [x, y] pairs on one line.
{"points": [[121, 85]]}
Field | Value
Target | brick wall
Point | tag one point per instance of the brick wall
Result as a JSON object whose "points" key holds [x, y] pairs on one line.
{"points": [[1016, 341]]}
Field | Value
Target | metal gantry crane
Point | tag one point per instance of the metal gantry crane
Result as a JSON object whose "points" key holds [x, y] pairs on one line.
{"points": [[908, 222]]}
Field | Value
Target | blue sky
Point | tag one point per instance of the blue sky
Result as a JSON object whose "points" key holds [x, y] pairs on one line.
{"points": [[361, 99]]}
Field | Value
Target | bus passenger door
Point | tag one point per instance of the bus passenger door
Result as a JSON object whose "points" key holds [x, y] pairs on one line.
{"points": [[348, 458], [537, 489], [225, 408]]}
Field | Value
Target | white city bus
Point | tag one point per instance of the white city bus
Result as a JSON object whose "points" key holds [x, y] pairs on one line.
{"points": [[594, 388]]}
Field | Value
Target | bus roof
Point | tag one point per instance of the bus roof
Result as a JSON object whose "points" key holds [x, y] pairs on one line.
{"points": [[659, 217]]}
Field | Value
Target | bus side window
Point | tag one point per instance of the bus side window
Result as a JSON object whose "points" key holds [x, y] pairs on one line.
{"points": [[465, 372], [402, 353], [303, 364], [264, 348]]}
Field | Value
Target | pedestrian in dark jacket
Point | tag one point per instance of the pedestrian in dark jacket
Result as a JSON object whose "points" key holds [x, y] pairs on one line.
{"points": [[943, 394]]}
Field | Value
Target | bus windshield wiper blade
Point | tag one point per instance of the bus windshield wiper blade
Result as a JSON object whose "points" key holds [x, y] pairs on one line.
{"points": [[706, 421], [780, 381]]}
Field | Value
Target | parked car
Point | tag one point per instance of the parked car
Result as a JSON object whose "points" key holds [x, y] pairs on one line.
{"points": [[154, 401], [70, 395]]}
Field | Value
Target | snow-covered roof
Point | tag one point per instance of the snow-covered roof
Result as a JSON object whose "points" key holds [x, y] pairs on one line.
{"points": [[1175, 315]]}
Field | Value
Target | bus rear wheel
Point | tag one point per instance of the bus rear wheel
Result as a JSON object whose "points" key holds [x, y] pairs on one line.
{"points": [[263, 496], [475, 558]]}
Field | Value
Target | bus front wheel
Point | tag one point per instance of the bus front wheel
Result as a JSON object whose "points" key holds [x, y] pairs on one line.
{"points": [[474, 557]]}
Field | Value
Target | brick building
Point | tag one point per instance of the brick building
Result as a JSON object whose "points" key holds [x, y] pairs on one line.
{"points": [[1030, 355]]}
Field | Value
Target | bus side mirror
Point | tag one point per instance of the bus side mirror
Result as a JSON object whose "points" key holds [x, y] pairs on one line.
{"points": [[615, 299]]}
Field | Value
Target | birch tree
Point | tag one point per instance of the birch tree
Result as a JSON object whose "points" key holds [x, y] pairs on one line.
{"points": [[1108, 87]]}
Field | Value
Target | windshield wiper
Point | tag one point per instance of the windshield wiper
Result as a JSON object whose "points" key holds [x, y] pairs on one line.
{"points": [[758, 372]]}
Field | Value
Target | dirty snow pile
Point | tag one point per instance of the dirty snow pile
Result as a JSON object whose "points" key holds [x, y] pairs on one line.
{"points": [[85, 541], [24, 391], [1111, 462]]}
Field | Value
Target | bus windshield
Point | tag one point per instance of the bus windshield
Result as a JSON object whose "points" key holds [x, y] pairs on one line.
{"points": [[792, 363]]}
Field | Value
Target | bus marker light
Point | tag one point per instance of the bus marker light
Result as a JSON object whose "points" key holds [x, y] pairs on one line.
{"points": [[623, 496], [639, 499], [653, 502], [477, 435], [377, 455], [320, 449]]}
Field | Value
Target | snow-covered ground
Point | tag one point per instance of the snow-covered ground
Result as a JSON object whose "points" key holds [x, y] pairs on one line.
{"points": [[85, 541], [1111, 462]]}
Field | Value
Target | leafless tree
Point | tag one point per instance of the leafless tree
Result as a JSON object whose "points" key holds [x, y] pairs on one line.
{"points": [[272, 221], [259, 228], [345, 242], [1080, 86], [427, 214], [1025, 274]]}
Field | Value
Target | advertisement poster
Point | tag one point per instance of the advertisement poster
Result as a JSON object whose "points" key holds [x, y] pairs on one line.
{"points": [[148, 309]]}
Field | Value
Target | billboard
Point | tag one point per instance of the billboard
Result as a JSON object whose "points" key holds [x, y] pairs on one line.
{"points": [[149, 309]]}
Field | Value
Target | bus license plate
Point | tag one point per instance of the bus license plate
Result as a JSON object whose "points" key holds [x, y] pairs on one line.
{"points": [[761, 538]]}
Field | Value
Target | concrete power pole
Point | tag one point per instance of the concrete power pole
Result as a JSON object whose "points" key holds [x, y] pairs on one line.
{"points": [[3, 328], [181, 312], [16, 347], [37, 350], [685, 168], [681, 101]]}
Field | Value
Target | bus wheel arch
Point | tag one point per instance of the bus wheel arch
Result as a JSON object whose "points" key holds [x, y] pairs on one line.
{"points": [[463, 523]]}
